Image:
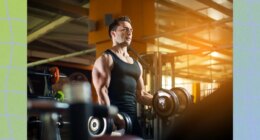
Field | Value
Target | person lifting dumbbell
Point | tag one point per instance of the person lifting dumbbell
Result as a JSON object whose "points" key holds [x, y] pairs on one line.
{"points": [[117, 77]]}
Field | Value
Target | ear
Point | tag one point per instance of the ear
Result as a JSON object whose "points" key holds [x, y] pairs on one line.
{"points": [[112, 33]]}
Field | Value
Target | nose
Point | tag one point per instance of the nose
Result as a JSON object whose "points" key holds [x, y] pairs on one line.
{"points": [[129, 30], [129, 33]]}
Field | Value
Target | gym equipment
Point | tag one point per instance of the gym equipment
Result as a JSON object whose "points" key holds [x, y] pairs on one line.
{"points": [[59, 96], [184, 98], [51, 121], [55, 72], [128, 123], [40, 82], [165, 103], [99, 126], [41, 106], [78, 76], [169, 106], [49, 129]]}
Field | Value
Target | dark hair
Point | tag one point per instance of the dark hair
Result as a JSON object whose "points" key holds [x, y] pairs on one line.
{"points": [[115, 23]]}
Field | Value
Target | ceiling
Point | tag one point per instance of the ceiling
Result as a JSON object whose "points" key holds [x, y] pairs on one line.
{"points": [[195, 35]]}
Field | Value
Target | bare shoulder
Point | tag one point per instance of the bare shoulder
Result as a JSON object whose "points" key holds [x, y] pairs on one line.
{"points": [[105, 60]]}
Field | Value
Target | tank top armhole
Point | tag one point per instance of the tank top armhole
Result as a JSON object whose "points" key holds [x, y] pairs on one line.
{"points": [[108, 52], [135, 61], [138, 65]]}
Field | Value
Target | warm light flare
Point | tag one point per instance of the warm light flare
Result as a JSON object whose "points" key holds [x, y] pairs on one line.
{"points": [[215, 54]]}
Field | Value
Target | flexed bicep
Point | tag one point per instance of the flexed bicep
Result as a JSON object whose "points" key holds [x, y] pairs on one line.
{"points": [[101, 74]]}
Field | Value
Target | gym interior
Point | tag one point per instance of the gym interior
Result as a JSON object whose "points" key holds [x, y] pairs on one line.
{"points": [[186, 51]]}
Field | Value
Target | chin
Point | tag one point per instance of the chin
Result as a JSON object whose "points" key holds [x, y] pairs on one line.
{"points": [[128, 43]]}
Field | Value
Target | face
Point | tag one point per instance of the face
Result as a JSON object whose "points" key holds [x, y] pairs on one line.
{"points": [[123, 34]]}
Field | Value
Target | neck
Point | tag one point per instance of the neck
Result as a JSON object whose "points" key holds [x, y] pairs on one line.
{"points": [[121, 50]]}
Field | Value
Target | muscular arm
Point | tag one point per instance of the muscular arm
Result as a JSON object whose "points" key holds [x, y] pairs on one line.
{"points": [[142, 96], [101, 74]]}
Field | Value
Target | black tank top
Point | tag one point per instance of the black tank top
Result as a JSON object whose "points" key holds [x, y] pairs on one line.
{"points": [[122, 88]]}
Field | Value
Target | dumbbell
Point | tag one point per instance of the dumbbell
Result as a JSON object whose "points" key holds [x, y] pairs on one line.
{"points": [[99, 126], [166, 103], [48, 106], [184, 98]]}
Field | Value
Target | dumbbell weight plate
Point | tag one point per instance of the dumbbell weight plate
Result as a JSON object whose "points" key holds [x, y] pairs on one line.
{"points": [[165, 103], [110, 123], [97, 126], [55, 72], [128, 122], [184, 98]]}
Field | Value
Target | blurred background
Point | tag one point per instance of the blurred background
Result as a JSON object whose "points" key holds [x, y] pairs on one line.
{"points": [[180, 43]]}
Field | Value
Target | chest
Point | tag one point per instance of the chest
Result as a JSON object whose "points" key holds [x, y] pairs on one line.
{"points": [[123, 69], [126, 59]]}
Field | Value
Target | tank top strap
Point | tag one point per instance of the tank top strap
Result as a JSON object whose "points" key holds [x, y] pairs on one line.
{"points": [[114, 56]]}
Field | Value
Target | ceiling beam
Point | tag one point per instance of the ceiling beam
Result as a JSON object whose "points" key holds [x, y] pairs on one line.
{"points": [[55, 23], [47, 28], [218, 7], [56, 45], [192, 77], [60, 7], [204, 69], [226, 52], [203, 78], [65, 64], [79, 45], [170, 56], [187, 11], [170, 47], [203, 73], [222, 60], [43, 15], [186, 40], [189, 29], [46, 55], [193, 37], [169, 13], [66, 37], [190, 63]]}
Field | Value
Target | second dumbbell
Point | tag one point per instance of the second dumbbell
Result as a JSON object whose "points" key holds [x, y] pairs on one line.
{"points": [[118, 125]]}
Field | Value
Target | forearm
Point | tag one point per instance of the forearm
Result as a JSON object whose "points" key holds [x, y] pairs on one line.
{"points": [[103, 96], [145, 98]]}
